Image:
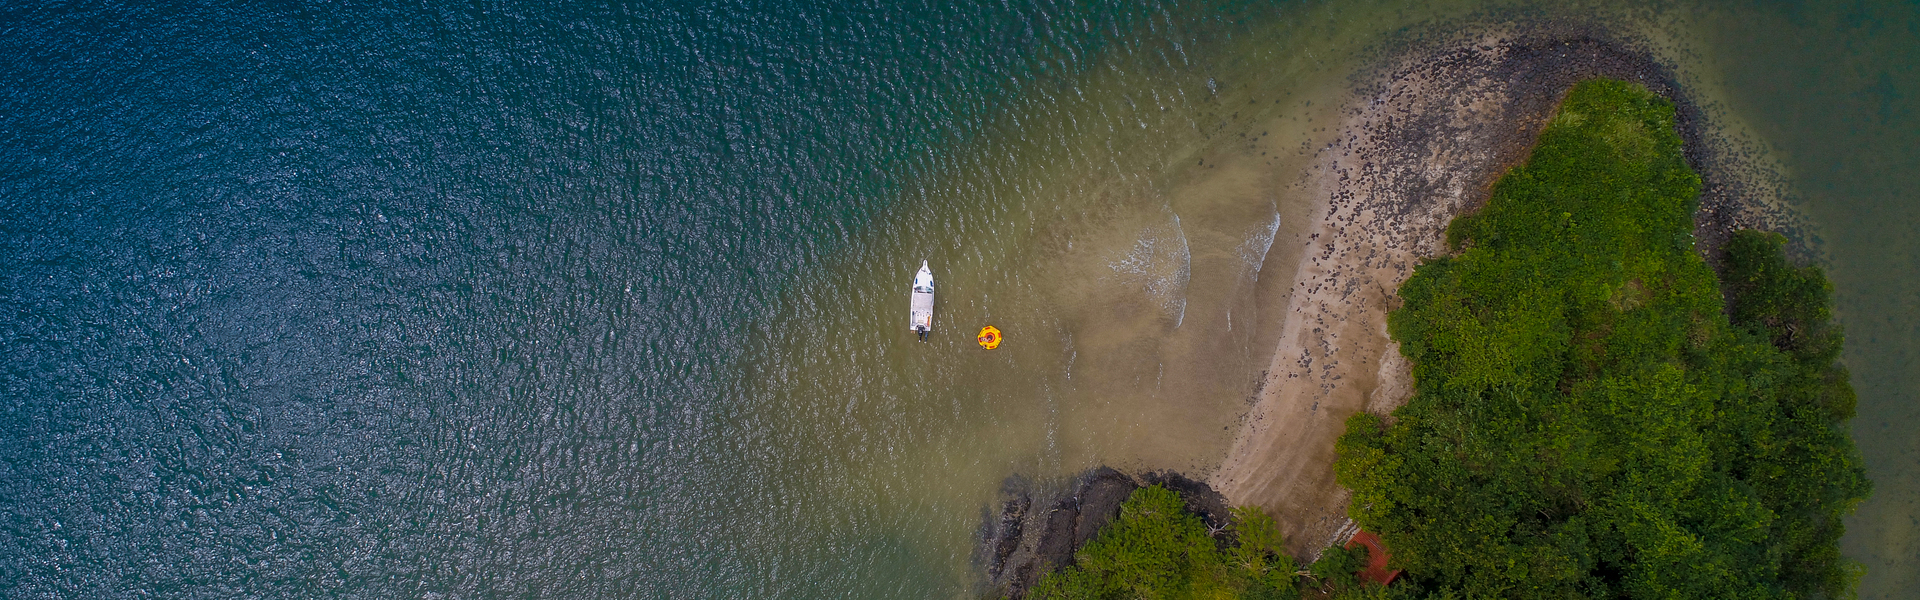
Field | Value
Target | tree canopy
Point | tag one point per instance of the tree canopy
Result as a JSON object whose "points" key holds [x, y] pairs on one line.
{"points": [[1157, 549], [1592, 417]]}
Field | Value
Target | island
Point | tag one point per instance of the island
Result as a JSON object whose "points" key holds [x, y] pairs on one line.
{"points": [[1588, 385]]}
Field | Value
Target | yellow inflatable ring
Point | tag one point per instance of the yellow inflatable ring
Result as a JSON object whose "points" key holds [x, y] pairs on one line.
{"points": [[989, 337]]}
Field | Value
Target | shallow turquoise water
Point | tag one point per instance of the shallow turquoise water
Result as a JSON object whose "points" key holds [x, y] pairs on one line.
{"points": [[507, 300]]}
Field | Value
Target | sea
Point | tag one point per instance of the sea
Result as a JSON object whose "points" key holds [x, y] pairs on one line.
{"points": [[491, 299]]}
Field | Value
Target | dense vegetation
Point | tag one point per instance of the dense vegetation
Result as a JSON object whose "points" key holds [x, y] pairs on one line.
{"points": [[1157, 549], [1592, 417]]}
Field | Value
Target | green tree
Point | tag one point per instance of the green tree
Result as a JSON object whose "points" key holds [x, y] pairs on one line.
{"points": [[1157, 549], [1257, 562], [1337, 567]]}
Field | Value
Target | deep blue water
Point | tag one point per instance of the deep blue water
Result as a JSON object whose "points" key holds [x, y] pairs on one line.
{"points": [[356, 300], [353, 300]]}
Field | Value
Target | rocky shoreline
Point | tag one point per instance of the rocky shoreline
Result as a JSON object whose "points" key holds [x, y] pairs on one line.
{"points": [[1039, 526]]}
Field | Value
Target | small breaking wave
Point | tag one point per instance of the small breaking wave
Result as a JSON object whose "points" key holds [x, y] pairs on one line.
{"points": [[1161, 263]]}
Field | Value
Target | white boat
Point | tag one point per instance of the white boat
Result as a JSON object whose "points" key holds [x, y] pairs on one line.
{"points": [[921, 311]]}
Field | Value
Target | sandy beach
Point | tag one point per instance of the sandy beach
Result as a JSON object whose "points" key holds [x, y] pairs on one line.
{"points": [[1419, 140]]}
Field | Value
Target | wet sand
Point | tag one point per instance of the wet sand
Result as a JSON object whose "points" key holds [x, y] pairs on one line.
{"points": [[1420, 140]]}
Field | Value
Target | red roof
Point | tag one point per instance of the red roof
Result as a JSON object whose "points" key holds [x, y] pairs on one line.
{"points": [[1376, 558]]}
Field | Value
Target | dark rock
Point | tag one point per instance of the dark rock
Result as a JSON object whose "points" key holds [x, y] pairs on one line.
{"points": [[1100, 494], [1002, 535], [1055, 547]]}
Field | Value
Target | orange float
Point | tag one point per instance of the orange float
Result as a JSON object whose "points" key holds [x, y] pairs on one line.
{"points": [[989, 337]]}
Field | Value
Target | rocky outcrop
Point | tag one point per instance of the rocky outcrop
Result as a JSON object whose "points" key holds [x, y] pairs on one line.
{"points": [[1019, 543]]}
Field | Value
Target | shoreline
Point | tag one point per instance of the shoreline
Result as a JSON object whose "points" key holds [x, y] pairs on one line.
{"points": [[1419, 141]]}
